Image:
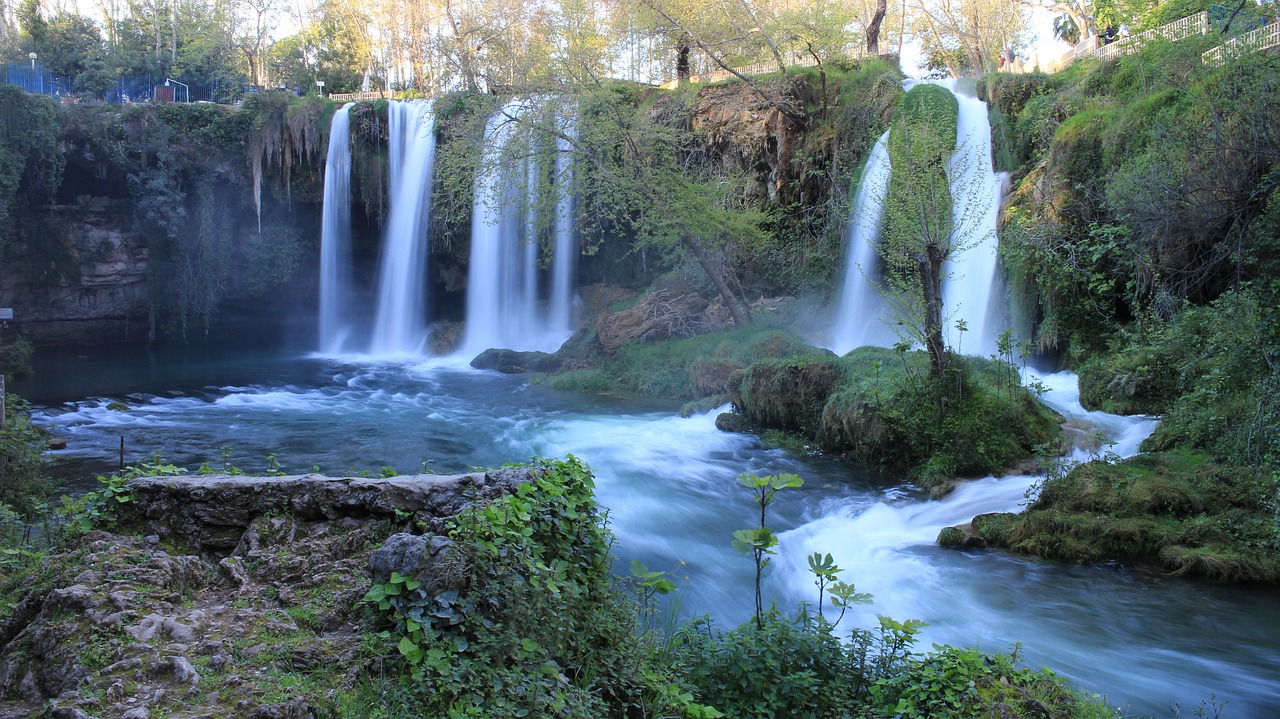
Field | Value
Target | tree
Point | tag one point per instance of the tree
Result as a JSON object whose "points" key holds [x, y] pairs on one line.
{"points": [[917, 238], [968, 37], [71, 43]]}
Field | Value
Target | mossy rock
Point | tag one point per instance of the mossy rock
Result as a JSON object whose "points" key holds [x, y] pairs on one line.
{"points": [[1177, 510]]}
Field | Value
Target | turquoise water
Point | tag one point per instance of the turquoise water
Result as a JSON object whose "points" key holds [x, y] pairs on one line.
{"points": [[1145, 640]]}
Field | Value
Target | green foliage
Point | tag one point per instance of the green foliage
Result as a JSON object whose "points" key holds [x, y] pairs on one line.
{"points": [[15, 358], [780, 668], [881, 407], [539, 629], [23, 484], [690, 368], [30, 162], [952, 683], [1209, 370], [97, 509]]}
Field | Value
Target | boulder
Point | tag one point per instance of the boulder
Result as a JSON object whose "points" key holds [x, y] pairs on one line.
{"points": [[961, 537], [733, 422], [516, 362], [429, 560]]}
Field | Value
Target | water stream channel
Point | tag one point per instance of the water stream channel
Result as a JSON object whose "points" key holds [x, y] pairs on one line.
{"points": [[1145, 640]]}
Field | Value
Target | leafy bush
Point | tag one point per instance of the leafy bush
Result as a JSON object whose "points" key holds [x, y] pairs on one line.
{"points": [[540, 628], [952, 683], [23, 484]]}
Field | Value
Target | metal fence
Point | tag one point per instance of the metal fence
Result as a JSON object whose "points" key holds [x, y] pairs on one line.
{"points": [[126, 90]]}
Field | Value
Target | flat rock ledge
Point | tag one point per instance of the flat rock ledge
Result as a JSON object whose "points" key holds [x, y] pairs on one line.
{"points": [[222, 597], [211, 512]]}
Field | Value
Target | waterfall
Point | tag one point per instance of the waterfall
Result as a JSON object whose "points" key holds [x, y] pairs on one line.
{"points": [[975, 195], [859, 319], [335, 236], [504, 284], [560, 316], [967, 291], [400, 325]]}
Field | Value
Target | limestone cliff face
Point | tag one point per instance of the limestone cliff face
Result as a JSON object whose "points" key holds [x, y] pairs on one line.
{"points": [[84, 278], [745, 134]]}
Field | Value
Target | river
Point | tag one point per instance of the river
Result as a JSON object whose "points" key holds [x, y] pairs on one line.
{"points": [[1145, 640]]}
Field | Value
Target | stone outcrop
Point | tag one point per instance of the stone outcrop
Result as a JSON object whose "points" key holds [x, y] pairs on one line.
{"points": [[748, 136], [212, 513], [516, 362], [83, 275], [217, 594]]}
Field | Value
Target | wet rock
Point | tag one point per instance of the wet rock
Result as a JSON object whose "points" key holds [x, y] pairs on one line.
{"points": [[732, 422], [516, 362], [961, 537], [56, 443]]}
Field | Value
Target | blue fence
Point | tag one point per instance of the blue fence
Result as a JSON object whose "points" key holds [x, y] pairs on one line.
{"points": [[128, 89], [37, 81]]}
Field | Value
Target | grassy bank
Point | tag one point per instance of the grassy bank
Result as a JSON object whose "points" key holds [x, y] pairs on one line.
{"points": [[1180, 511]]}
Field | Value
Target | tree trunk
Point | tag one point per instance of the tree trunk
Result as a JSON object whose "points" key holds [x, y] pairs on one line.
{"points": [[740, 316], [873, 27], [682, 59], [930, 265]]}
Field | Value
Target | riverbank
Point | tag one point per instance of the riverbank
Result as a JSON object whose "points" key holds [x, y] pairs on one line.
{"points": [[489, 593]]}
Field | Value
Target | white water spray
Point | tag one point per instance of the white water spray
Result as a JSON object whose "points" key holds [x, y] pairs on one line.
{"points": [[860, 318], [400, 325], [967, 291], [975, 208], [335, 236], [504, 284]]}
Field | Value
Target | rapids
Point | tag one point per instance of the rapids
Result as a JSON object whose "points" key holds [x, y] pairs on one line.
{"points": [[1145, 640]]}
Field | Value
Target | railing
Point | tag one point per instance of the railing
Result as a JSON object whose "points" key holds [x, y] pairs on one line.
{"points": [[792, 59], [358, 96], [1264, 37], [1197, 24]]}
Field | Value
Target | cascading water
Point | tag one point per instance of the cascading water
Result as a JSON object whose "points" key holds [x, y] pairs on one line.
{"points": [[400, 325], [975, 197], [971, 272], [335, 236], [560, 314], [860, 316], [503, 291]]}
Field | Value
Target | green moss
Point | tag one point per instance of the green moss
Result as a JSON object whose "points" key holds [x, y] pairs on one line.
{"points": [[879, 407], [1178, 510]]}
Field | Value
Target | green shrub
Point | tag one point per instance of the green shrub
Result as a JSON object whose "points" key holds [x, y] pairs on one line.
{"points": [[784, 668], [953, 683], [23, 484]]}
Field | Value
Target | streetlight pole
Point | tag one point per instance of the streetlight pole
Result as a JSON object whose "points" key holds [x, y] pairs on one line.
{"points": [[33, 60], [168, 80]]}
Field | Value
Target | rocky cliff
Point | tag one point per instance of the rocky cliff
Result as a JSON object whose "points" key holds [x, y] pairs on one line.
{"points": [[81, 276]]}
